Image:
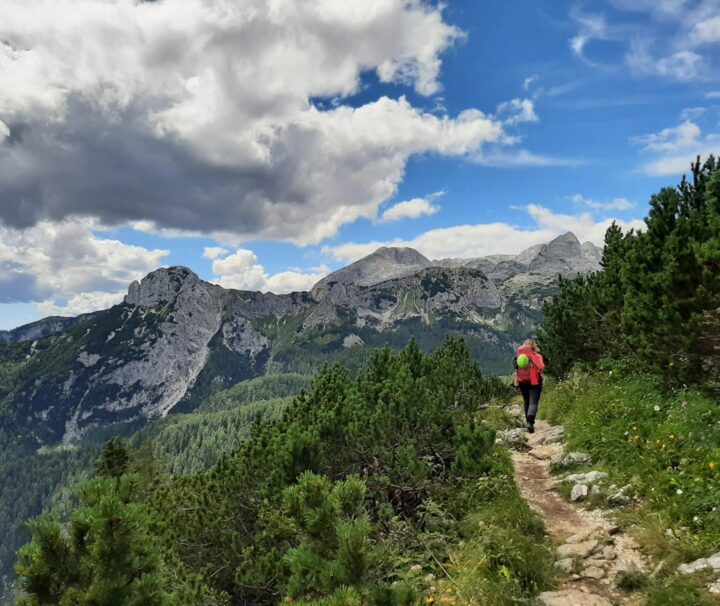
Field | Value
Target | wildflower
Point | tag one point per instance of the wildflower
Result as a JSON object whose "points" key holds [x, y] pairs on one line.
{"points": [[657, 408], [669, 468], [634, 427], [679, 491], [448, 590], [657, 441], [698, 480], [712, 464], [696, 519], [415, 568], [430, 601], [664, 446], [637, 438], [671, 437]]}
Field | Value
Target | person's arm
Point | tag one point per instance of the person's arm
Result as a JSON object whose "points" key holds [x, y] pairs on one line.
{"points": [[539, 362]]}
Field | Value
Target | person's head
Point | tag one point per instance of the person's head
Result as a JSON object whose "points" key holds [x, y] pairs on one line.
{"points": [[531, 344]]}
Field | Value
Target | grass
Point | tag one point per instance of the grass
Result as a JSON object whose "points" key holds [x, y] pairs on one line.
{"points": [[667, 446]]}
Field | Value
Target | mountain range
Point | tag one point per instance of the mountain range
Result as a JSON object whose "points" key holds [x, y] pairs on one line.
{"points": [[176, 338]]}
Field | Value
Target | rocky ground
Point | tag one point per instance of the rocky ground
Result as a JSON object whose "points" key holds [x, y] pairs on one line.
{"points": [[592, 552]]}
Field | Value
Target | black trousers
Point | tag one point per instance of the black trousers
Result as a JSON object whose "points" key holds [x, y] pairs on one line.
{"points": [[531, 397]]}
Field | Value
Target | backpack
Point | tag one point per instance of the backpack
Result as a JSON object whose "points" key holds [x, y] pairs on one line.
{"points": [[523, 374]]}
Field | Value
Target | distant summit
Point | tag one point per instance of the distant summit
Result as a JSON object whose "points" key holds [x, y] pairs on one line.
{"points": [[384, 264]]}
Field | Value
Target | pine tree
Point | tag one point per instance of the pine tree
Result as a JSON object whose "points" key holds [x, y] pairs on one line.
{"points": [[113, 461]]}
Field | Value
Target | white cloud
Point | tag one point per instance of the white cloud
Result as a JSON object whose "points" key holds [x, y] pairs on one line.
{"points": [[529, 81], [614, 204], [707, 31], [209, 105], [241, 271], [54, 262], [81, 303], [498, 158], [577, 44], [465, 241], [517, 111], [592, 27], [665, 38], [675, 148], [412, 209], [213, 252], [684, 136]]}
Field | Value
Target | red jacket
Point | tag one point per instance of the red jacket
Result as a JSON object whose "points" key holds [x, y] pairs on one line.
{"points": [[537, 366]]}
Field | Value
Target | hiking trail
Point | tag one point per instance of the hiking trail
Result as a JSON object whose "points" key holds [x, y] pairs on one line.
{"points": [[591, 550]]}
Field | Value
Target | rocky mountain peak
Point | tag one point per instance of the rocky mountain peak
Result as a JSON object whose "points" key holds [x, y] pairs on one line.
{"points": [[161, 286], [384, 264]]}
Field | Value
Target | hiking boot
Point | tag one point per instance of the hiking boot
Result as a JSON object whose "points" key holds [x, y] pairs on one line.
{"points": [[530, 428]]}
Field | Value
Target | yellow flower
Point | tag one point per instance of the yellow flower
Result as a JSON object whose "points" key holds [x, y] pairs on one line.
{"points": [[664, 446], [712, 465], [634, 427], [637, 438], [448, 590], [657, 441], [698, 480], [669, 469], [430, 601], [671, 437]]}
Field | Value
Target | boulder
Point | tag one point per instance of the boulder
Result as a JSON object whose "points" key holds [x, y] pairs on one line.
{"points": [[515, 411], [554, 435], [620, 497], [572, 597], [513, 438], [579, 492], [542, 453], [572, 458], [594, 572], [566, 565], [591, 477], [578, 550], [711, 563]]}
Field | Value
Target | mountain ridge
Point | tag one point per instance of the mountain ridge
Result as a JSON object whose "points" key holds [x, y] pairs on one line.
{"points": [[177, 338]]}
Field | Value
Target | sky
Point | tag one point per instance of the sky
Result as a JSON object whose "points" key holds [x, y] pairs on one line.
{"points": [[265, 143]]}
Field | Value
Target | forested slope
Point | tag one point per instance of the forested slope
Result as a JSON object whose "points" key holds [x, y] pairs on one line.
{"points": [[359, 490]]}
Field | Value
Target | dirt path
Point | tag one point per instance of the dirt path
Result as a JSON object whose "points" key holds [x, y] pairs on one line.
{"points": [[590, 546]]}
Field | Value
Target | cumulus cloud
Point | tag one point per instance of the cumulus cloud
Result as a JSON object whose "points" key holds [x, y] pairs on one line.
{"points": [[214, 252], [412, 209], [673, 149], [67, 268], [187, 116], [81, 303], [241, 270], [614, 204], [466, 241]]}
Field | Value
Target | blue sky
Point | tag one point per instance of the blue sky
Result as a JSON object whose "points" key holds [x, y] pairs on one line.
{"points": [[265, 162]]}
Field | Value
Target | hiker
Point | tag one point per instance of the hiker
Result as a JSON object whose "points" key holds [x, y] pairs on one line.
{"points": [[529, 366]]}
